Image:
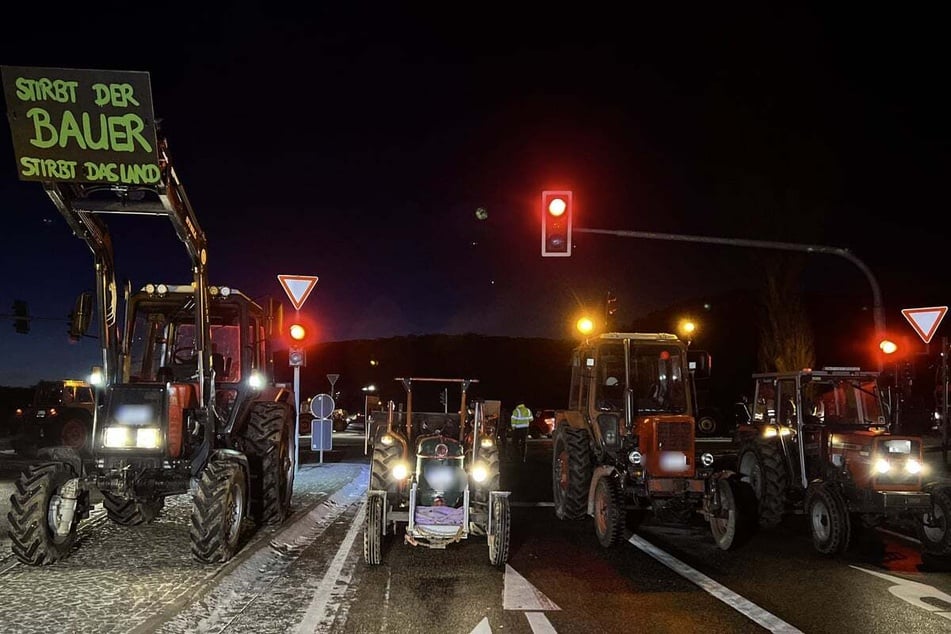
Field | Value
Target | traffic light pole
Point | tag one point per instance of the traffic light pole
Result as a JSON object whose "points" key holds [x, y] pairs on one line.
{"points": [[877, 312], [297, 420]]}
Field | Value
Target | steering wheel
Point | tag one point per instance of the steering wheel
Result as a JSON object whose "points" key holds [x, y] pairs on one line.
{"points": [[183, 355]]}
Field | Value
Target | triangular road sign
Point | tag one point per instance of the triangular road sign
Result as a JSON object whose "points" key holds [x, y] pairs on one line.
{"points": [[298, 287], [925, 321]]}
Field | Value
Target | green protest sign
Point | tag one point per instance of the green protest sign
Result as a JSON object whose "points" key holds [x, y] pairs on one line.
{"points": [[82, 126]]}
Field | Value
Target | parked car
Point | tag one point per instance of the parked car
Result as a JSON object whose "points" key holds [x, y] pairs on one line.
{"points": [[543, 424]]}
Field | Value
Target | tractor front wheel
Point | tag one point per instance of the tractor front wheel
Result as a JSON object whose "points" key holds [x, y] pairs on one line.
{"points": [[373, 532], [934, 529], [218, 509], [829, 521], [761, 464], [36, 510], [733, 524], [500, 536], [608, 512]]}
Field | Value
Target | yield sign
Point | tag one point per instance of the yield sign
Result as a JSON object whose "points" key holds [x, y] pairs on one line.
{"points": [[925, 321], [298, 287]]}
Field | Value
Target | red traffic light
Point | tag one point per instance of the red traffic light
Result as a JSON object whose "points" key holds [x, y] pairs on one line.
{"points": [[297, 332], [556, 223], [888, 346]]}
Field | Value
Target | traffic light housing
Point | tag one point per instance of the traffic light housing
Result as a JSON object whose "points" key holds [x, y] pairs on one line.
{"points": [[296, 355], [21, 316], [557, 211]]}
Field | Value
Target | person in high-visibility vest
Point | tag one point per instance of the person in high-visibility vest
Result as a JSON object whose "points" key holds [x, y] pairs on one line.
{"points": [[521, 419]]}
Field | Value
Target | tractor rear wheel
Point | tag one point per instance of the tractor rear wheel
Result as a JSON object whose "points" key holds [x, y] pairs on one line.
{"points": [[608, 512], [267, 445], [385, 457], [760, 463], [934, 530], [829, 522], [500, 536], [218, 509], [571, 473]]}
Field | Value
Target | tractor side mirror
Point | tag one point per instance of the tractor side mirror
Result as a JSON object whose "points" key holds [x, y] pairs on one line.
{"points": [[80, 317]]}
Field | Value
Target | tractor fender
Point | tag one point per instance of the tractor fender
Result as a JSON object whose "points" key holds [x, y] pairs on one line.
{"points": [[66, 455], [597, 474], [234, 456], [572, 418]]}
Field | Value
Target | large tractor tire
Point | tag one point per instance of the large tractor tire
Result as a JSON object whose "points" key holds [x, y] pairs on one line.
{"points": [[268, 447], [571, 473], [828, 516], [129, 512], [500, 537], [385, 457], [761, 464], [74, 433], [934, 530], [735, 521], [373, 532], [609, 512], [490, 457], [218, 508], [35, 508]]}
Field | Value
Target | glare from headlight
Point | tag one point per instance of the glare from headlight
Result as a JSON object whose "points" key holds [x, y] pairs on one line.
{"points": [[148, 438], [913, 466], [256, 380], [882, 466], [706, 459], [116, 436], [400, 471], [487, 442], [479, 472]]}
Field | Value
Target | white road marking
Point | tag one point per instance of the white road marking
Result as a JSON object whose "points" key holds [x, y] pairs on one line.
{"points": [[483, 627], [519, 594], [913, 592], [322, 594], [744, 606], [539, 623]]}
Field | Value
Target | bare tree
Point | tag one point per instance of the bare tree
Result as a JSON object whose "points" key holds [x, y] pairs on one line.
{"points": [[786, 341]]}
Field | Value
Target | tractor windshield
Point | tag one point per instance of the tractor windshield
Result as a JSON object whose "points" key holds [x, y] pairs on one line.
{"points": [[844, 402], [658, 375]]}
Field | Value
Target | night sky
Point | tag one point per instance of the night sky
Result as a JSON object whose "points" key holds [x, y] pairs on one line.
{"points": [[356, 143]]}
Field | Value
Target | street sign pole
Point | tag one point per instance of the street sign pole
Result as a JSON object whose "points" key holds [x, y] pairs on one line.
{"points": [[297, 419]]}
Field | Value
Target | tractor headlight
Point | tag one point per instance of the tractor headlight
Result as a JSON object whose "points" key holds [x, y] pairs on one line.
{"points": [[487, 442], [124, 437], [386, 439], [706, 459], [882, 466], [772, 432], [400, 471], [913, 466], [479, 472], [256, 381]]}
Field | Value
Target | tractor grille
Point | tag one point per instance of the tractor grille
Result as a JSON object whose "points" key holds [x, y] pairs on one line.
{"points": [[674, 436]]}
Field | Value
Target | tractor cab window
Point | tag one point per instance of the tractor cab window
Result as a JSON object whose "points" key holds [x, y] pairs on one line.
{"points": [[764, 409], [849, 402], [610, 371], [659, 374]]}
